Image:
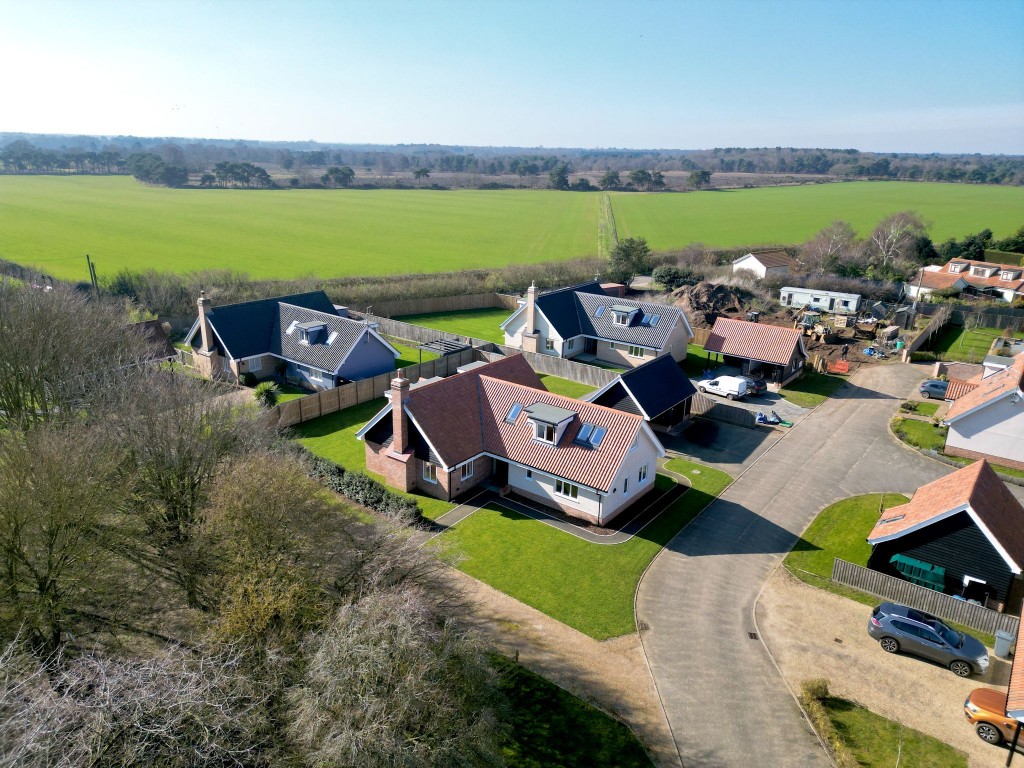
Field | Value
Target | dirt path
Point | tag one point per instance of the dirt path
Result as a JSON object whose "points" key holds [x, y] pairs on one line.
{"points": [[612, 674], [813, 633]]}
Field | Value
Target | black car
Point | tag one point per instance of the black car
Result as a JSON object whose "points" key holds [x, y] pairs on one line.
{"points": [[933, 388], [754, 386]]}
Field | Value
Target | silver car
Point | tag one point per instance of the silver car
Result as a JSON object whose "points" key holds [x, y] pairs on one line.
{"points": [[900, 628]]}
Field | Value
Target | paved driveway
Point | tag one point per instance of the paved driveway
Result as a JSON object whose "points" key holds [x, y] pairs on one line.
{"points": [[725, 700]]}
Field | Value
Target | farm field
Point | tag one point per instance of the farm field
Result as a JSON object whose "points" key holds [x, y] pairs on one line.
{"points": [[51, 222], [793, 214]]}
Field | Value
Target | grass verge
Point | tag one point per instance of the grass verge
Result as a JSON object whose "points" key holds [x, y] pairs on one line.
{"points": [[588, 586], [812, 389], [920, 434]]}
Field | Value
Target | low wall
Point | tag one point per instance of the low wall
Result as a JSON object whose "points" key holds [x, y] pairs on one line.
{"points": [[446, 304], [922, 598]]}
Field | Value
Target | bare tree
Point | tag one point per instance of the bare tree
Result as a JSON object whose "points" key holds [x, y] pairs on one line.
{"points": [[825, 250], [893, 238], [390, 683]]}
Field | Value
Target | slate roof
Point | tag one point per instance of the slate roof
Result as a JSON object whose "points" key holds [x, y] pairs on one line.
{"points": [[465, 415], [246, 328], [327, 349], [996, 386], [562, 309], [996, 510], [755, 341], [771, 259], [655, 387]]}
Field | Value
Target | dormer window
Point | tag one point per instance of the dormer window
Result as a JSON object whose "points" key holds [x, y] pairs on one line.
{"points": [[549, 422], [983, 271], [1007, 274], [620, 319], [957, 266], [544, 432], [309, 333]]}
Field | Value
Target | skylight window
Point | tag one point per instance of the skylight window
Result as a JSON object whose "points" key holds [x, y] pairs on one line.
{"points": [[654, 320], [584, 434], [895, 519], [599, 312], [590, 435], [513, 412], [598, 436]]}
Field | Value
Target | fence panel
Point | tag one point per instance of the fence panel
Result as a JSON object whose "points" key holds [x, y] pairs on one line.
{"points": [[590, 375], [939, 321], [922, 598], [729, 414], [700, 336], [446, 304]]}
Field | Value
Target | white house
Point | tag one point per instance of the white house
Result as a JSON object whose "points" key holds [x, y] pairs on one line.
{"points": [[496, 424], [766, 263], [583, 321], [825, 301], [988, 421], [1003, 281]]}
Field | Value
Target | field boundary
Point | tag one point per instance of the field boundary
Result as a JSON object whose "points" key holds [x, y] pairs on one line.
{"points": [[607, 235], [456, 303]]}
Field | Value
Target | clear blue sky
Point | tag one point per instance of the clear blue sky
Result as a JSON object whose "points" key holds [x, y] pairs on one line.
{"points": [[917, 76]]}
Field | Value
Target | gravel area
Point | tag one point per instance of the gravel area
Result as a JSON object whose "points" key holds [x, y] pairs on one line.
{"points": [[612, 675], [813, 633]]}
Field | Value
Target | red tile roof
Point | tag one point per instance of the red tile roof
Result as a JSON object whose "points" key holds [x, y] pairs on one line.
{"points": [[756, 341], [935, 280], [1015, 692], [994, 387], [774, 259], [946, 277], [958, 388], [464, 415], [975, 486]]}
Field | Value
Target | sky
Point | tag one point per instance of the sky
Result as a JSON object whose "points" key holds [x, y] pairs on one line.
{"points": [[894, 76]]}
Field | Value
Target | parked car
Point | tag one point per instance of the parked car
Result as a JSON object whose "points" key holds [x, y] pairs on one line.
{"points": [[732, 387], [985, 709], [755, 386], [901, 628], [933, 388]]}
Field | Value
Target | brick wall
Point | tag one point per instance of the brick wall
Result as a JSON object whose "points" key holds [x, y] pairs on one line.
{"points": [[966, 454], [397, 471]]}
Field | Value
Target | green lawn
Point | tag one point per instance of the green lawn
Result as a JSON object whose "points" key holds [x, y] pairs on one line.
{"points": [[590, 587], [288, 392], [877, 742], [956, 343], [811, 389], [564, 386], [920, 434], [925, 409], [410, 355], [794, 214], [334, 437], [475, 323], [696, 361], [551, 727]]}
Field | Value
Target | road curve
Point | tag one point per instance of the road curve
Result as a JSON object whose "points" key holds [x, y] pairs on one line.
{"points": [[725, 701]]}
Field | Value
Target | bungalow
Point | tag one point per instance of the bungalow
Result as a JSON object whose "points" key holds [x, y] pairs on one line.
{"points": [[658, 391], [583, 321], [497, 424], [988, 421], [776, 354], [1004, 281], [766, 263], [315, 343], [962, 534]]}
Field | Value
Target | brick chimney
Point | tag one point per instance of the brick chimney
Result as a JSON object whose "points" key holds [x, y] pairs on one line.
{"points": [[531, 339], [399, 419], [204, 324]]}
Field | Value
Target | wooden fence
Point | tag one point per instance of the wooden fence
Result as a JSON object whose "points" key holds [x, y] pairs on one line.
{"points": [[446, 304], [729, 414], [1004, 318], [939, 321], [318, 404], [421, 335], [700, 336], [922, 598]]}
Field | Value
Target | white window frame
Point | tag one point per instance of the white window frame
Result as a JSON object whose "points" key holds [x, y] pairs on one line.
{"points": [[430, 472], [549, 345], [625, 486], [642, 474], [567, 490], [467, 471], [635, 351], [255, 364], [540, 431], [315, 375], [569, 344], [620, 318]]}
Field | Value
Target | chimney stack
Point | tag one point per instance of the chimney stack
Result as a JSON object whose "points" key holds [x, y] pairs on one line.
{"points": [[204, 324], [531, 339], [399, 419]]}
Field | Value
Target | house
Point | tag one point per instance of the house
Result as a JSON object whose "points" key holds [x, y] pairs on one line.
{"points": [[1015, 690], [586, 323], [982, 278], [988, 421], [658, 391], [962, 534], [824, 301], [776, 354], [496, 424], [304, 336], [766, 263]]}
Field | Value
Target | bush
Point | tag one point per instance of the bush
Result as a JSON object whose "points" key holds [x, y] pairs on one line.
{"points": [[813, 692], [248, 379], [266, 393], [908, 406], [363, 490]]}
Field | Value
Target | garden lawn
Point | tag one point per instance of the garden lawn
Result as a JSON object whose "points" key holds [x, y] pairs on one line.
{"points": [[288, 392], [696, 361], [334, 438], [877, 742], [812, 389], [968, 346], [410, 354], [588, 586], [475, 323], [565, 386], [926, 409], [920, 434], [551, 727]]}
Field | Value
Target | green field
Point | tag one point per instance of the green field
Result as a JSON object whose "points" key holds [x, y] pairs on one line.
{"points": [[51, 222], [476, 323]]}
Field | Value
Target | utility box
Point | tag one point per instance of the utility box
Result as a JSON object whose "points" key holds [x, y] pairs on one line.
{"points": [[1003, 642]]}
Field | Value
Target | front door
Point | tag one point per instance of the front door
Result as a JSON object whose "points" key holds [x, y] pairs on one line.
{"points": [[590, 346], [500, 473]]}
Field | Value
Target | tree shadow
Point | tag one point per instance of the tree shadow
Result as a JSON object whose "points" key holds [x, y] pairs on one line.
{"points": [[727, 528]]}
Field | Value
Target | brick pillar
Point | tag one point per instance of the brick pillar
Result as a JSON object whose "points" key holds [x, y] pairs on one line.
{"points": [[399, 419], [531, 339]]}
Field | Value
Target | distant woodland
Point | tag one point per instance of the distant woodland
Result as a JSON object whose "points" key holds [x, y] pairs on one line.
{"points": [[256, 164]]}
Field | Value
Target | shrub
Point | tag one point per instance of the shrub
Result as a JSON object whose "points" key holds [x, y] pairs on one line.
{"points": [[813, 693], [908, 406], [248, 379], [363, 490], [266, 393]]}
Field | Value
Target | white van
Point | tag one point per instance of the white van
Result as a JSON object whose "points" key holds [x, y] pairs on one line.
{"points": [[732, 387]]}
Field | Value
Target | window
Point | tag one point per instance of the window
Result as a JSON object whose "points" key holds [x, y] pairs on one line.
{"points": [[513, 412], [529, 474], [599, 312], [620, 318], [255, 364], [598, 436], [429, 472], [569, 343], [611, 345], [846, 303], [651, 321], [636, 351], [642, 474], [569, 490], [584, 434], [625, 486], [467, 471], [549, 344], [315, 375], [544, 432]]}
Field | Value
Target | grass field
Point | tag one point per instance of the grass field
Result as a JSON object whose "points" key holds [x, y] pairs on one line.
{"points": [[475, 323], [51, 222], [793, 214]]}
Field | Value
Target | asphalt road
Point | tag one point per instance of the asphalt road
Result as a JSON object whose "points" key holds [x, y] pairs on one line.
{"points": [[725, 701]]}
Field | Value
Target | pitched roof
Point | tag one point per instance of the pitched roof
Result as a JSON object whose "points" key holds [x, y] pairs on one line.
{"points": [[947, 277], [246, 328], [935, 280], [995, 387], [467, 414], [655, 387], [585, 310], [328, 349], [975, 489], [1015, 691], [756, 341], [777, 258], [958, 388]]}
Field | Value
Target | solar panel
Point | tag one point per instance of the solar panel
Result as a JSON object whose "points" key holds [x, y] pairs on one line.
{"points": [[513, 412], [598, 436]]}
